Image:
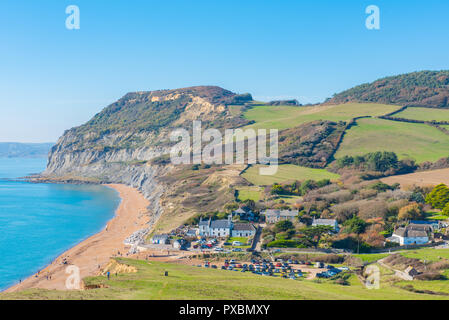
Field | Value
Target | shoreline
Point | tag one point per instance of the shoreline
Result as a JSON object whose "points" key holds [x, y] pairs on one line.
{"points": [[94, 252]]}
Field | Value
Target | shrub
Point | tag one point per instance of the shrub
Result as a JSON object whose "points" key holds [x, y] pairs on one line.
{"points": [[412, 211]]}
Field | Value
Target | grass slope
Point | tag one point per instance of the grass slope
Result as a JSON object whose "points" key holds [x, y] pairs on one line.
{"points": [[287, 172], [425, 114], [251, 193], [187, 282], [284, 117], [409, 140]]}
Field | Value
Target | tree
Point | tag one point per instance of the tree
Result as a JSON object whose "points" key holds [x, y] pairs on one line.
{"points": [[355, 225], [412, 211], [446, 210], [315, 233], [250, 204], [277, 189], [283, 226], [438, 197]]}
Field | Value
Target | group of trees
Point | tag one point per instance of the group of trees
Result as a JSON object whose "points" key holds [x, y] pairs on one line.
{"points": [[298, 188], [284, 234], [380, 161]]}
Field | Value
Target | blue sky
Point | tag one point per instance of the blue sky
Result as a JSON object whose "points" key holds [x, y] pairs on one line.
{"points": [[52, 78]]}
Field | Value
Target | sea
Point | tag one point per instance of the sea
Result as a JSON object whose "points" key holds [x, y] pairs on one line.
{"points": [[40, 221]]}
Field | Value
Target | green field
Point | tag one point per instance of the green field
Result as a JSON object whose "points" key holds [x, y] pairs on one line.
{"points": [[420, 142], [425, 114], [250, 192], [428, 254], [188, 282], [284, 117], [287, 172]]}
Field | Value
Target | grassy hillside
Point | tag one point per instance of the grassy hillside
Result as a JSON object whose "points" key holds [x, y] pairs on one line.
{"points": [[284, 117], [417, 141], [425, 89], [425, 114], [188, 282], [287, 172]]}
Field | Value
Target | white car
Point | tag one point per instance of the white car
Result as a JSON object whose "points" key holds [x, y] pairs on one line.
{"points": [[218, 249], [236, 243]]}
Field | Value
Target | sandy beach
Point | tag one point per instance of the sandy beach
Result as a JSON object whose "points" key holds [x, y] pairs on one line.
{"points": [[95, 252]]}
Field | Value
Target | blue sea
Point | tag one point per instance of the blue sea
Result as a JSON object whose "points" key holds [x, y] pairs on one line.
{"points": [[38, 222]]}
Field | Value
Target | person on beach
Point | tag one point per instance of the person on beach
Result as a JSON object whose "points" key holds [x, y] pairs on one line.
{"points": [[109, 274]]}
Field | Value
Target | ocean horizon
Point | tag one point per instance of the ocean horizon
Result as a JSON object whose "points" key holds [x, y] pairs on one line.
{"points": [[39, 222]]}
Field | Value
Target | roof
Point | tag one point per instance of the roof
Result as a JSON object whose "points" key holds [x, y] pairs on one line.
{"points": [[419, 227], [271, 212], [282, 213], [220, 224], [239, 210], [244, 227], [423, 222], [408, 233], [326, 222], [290, 213], [160, 237], [203, 223]]}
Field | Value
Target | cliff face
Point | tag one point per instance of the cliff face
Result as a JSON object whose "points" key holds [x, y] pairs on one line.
{"points": [[118, 144]]}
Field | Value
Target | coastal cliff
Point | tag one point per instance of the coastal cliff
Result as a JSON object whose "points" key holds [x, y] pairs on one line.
{"points": [[122, 143]]}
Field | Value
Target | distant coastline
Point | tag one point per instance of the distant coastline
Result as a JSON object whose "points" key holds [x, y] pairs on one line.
{"points": [[24, 150]]}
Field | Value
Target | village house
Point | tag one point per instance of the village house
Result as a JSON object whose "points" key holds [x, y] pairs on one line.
{"points": [[275, 215], [245, 214], [243, 230], [215, 228], [434, 224], [326, 222], [160, 239], [411, 272], [410, 235], [192, 233], [225, 228]]}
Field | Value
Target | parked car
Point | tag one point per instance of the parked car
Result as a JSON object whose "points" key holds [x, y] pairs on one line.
{"points": [[236, 243]]}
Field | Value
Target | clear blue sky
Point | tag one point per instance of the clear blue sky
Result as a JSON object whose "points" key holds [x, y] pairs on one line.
{"points": [[53, 78]]}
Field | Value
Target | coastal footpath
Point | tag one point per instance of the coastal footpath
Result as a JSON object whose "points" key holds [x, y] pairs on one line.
{"points": [[95, 252]]}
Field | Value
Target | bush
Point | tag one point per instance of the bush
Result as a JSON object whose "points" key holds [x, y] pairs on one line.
{"points": [[285, 244]]}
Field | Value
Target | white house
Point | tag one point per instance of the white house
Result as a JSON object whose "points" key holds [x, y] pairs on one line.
{"points": [[159, 239], [407, 235], [215, 228], [243, 230], [326, 222], [275, 215]]}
